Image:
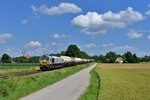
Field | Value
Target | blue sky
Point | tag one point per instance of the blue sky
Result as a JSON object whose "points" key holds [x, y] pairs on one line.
{"points": [[96, 26]]}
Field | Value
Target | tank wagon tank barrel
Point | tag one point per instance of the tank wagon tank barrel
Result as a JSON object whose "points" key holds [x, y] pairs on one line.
{"points": [[52, 62]]}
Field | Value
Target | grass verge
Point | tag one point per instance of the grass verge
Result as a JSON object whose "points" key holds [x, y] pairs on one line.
{"points": [[93, 89], [15, 88]]}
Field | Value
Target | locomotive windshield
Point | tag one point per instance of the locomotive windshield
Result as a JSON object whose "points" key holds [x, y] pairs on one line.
{"points": [[44, 58]]}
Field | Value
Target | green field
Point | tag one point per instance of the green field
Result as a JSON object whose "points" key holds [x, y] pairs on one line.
{"points": [[119, 82], [9, 66], [124, 84], [14, 88]]}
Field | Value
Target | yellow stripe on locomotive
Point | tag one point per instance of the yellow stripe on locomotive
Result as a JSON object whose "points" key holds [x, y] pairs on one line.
{"points": [[44, 63]]}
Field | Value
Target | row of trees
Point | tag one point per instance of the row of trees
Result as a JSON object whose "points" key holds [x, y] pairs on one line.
{"points": [[110, 57], [7, 59], [74, 51]]}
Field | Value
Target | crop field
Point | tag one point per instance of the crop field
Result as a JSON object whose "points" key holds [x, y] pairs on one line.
{"points": [[124, 81], [4, 66], [14, 88], [8, 69]]}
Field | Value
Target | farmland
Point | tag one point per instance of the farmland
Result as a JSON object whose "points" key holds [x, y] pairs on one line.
{"points": [[9, 66], [124, 81], [8, 69], [119, 82]]}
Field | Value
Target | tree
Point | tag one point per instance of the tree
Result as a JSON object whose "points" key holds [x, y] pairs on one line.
{"points": [[135, 58], [129, 57], [96, 58], [101, 58], [111, 56], [6, 58], [73, 51], [63, 53], [84, 55]]}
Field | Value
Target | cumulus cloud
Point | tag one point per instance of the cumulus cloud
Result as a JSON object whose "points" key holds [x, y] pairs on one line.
{"points": [[60, 9], [90, 45], [56, 44], [108, 45], [56, 36], [124, 48], [5, 36], [134, 34], [24, 21], [33, 44], [147, 12], [94, 23], [148, 37]]}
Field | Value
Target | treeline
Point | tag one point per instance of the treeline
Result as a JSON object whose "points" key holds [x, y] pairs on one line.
{"points": [[7, 59], [74, 51], [111, 57]]}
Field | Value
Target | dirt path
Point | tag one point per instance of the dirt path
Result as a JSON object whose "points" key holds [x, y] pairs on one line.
{"points": [[70, 88]]}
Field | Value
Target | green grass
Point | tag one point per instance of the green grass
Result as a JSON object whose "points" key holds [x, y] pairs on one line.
{"points": [[124, 84], [15, 88], [93, 89], [18, 71], [9, 66]]}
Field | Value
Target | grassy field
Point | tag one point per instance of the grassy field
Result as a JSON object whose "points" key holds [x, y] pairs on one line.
{"points": [[9, 69], [14, 88], [124, 81], [9, 66], [18, 71]]}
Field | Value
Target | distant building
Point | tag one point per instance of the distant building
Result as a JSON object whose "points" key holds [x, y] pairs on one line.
{"points": [[27, 56], [119, 60]]}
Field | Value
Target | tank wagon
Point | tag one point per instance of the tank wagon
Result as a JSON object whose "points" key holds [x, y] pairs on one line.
{"points": [[52, 62]]}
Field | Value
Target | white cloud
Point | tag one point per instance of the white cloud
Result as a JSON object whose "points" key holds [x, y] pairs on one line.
{"points": [[148, 37], [124, 48], [60, 9], [11, 51], [5, 36], [24, 21], [147, 12], [90, 45], [134, 34], [56, 36], [142, 53], [53, 43], [108, 45], [56, 44], [94, 23], [33, 44]]}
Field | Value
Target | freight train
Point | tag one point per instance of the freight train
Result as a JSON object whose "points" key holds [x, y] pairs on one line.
{"points": [[52, 62]]}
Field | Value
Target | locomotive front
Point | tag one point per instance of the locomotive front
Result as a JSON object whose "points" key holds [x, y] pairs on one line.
{"points": [[44, 62]]}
